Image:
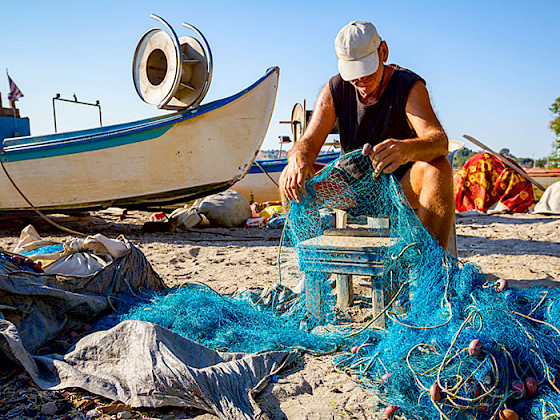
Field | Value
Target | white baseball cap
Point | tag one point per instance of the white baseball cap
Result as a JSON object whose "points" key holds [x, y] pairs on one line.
{"points": [[356, 48]]}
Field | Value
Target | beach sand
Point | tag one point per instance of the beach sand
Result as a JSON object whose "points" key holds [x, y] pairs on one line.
{"points": [[524, 249]]}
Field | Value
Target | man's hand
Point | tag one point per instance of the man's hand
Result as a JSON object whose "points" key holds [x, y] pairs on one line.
{"points": [[293, 177], [386, 156], [305, 151]]}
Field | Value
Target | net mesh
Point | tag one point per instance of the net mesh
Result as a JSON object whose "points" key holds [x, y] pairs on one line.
{"points": [[446, 344]]}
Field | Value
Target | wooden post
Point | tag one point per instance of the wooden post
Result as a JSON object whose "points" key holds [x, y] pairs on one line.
{"points": [[377, 305], [344, 282], [452, 243]]}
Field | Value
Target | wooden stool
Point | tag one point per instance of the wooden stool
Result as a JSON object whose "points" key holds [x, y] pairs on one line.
{"points": [[348, 252]]}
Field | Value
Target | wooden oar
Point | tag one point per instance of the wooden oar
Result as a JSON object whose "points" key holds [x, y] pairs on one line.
{"points": [[504, 161]]}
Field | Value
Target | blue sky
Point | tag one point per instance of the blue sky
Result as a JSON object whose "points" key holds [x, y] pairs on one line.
{"points": [[492, 67]]}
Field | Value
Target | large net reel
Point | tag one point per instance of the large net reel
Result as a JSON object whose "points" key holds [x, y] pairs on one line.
{"points": [[172, 72]]}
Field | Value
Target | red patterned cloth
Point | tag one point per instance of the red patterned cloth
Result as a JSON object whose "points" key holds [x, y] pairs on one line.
{"points": [[484, 180]]}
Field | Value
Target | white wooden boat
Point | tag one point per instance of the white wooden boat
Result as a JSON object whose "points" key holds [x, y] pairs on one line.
{"points": [[261, 182], [174, 158], [544, 176], [260, 186]]}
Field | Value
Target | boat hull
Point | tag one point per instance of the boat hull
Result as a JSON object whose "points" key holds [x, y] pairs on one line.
{"points": [[177, 157], [545, 177], [257, 186]]}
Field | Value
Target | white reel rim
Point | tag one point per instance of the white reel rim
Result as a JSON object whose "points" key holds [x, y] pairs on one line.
{"points": [[154, 48]]}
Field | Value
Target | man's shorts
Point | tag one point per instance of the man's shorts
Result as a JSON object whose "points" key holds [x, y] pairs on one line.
{"points": [[401, 170]]}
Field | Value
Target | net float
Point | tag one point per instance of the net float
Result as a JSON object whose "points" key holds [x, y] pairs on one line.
{"points": [[390, 411], [518, 389], [435, 392], [386, 377], [354, 349], [500, 285], [531, 386], [473, 389], [475, 347], [508, 414]]}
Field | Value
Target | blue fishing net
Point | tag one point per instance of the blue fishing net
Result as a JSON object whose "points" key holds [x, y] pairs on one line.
{"points": [[446, 344], [47, 249], [225, 323]]}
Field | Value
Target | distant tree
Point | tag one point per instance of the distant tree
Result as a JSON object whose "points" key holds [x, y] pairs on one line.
{"points": [[541, 162], [461, 157], [554, 158], [525, 162]]}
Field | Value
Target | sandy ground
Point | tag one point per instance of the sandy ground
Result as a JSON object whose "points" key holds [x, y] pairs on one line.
{"points": [[524, 249]]}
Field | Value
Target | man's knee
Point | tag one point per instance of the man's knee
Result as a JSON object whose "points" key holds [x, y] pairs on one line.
{"points": [[437, 172]]}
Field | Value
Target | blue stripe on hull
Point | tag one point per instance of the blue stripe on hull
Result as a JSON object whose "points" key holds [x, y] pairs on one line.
{"points": [[79, 146], [277, 165]]}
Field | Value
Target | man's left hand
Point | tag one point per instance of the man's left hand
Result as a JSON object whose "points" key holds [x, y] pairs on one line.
{"points": [[386, 156]]}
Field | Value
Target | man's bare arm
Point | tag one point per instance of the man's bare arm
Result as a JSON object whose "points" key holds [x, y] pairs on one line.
{"points": [[430, 143], [304, 152]]}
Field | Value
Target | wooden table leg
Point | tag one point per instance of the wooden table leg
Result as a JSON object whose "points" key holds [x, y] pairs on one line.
{"points": [[344, 290], [377, 305]]}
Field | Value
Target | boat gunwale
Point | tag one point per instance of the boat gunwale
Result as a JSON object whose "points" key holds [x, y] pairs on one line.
{"points": [[40, 143], [276, 165]]}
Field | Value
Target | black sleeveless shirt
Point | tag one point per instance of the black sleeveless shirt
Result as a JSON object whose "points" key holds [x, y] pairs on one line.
{"points": [[360, 124]]}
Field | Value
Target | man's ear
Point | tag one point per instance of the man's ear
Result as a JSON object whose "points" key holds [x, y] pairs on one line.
{"points": [[384, 51]]}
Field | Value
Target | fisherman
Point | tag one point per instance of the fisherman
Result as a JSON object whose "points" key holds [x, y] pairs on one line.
{"points": [[385, 110]]}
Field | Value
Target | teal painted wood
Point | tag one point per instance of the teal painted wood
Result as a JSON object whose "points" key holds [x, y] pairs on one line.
{"points": [[38, 151], [10, 127]]}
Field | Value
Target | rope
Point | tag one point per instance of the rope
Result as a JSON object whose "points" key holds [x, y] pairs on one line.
{"points": [[56, 225], [266, 173]]}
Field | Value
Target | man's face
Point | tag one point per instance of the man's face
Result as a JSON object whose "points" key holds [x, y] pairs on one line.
{"points": [[364, 82], [369, 84]]}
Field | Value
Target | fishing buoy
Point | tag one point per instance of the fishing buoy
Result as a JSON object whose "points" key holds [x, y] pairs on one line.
{"points": [[473, 389], [531, 386], [390, 412], [172, 72], [475, 347], [508, 414], [435, 392], [500, 285], [386, 377], [518, 389], [354, 349]]}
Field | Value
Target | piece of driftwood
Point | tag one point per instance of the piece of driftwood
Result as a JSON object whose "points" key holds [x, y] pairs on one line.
{"points": [[505, 161], [114, 211], [9, 220]]}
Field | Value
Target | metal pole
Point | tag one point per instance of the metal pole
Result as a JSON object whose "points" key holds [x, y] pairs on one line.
{"points": [[16, 133], [75, 101], [100, 122], [54, 114]]}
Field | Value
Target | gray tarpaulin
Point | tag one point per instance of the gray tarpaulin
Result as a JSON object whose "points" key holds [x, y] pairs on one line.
{"points": [[135, 362]]}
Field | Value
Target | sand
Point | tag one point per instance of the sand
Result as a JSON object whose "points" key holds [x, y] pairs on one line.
{"points": [[524, 249]]}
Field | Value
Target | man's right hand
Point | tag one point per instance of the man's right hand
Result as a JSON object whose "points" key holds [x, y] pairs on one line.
{"points": [[293, 177], [302, 156]]}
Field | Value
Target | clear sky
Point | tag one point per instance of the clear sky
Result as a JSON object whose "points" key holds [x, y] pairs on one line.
{"points": [[492, 67]]}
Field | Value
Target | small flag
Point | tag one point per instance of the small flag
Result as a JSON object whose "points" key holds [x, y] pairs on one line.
{"points": [[15, 93]]}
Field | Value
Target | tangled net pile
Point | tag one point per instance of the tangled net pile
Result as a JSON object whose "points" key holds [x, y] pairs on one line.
{"points": [[454, 346]]}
